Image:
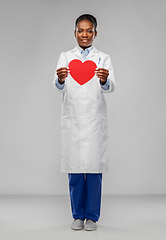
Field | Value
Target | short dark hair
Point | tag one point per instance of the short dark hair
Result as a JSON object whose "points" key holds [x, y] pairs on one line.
{"points": [[88, 17]]}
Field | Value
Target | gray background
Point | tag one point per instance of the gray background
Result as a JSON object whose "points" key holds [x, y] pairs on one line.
{"points": [[33, 34]]}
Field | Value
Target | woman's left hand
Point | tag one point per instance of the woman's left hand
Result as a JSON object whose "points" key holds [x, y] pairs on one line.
{"points": [[102, 73]]}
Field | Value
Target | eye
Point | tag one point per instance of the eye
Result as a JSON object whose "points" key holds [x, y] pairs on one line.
{"points": [[90, 31], [79, 31]]}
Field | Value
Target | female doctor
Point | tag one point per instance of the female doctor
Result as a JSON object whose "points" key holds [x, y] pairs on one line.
{"points": [[83, 75]]}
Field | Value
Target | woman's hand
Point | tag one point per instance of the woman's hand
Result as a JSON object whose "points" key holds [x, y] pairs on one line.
{"points": [[62, 74], [102, 73]]}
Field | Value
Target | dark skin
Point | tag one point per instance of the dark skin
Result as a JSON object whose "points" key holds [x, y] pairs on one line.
{"points": [[84, 34]]}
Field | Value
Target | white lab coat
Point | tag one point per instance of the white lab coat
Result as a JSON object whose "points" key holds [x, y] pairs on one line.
{"points": [[84, 117]]}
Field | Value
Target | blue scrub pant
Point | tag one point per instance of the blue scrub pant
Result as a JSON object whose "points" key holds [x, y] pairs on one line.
{"points": [[85, 195]]}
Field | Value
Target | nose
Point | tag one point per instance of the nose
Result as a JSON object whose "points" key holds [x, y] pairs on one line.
{"points": [[84, 34]]}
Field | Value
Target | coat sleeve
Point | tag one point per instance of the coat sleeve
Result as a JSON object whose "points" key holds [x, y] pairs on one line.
{"points": [[62, 62], [108, 65]]}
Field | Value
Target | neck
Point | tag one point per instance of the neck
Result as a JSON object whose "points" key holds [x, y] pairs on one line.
{"points": [[85, 47]]}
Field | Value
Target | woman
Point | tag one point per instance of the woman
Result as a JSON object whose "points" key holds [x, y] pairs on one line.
{"points": [[83, 75]]}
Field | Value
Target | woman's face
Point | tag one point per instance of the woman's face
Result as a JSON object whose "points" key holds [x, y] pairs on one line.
{"points": [[85, 33]]}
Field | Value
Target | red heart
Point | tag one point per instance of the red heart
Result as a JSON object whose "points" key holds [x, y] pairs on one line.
{"points": [[82, 72]]}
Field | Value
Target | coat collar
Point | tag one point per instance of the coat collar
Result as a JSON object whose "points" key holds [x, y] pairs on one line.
{"points": [[78, 54]]}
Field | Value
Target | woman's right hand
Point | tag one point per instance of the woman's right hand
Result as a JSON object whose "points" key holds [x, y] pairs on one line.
{"points": [[62, 74]]}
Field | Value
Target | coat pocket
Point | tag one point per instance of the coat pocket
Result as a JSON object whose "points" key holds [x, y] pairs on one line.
{"points": [[102, 115], [66, 115]]}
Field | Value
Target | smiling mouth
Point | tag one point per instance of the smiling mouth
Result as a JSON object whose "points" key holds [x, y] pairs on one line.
{"points": [[84, 40]]}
